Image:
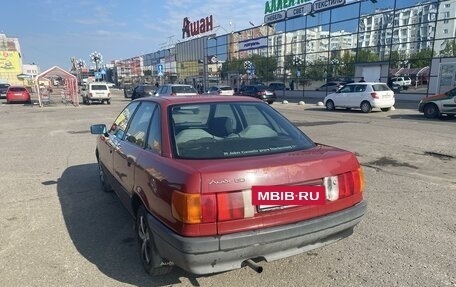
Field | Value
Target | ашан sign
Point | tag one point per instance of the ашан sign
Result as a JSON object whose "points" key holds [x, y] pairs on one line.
{"points": [[203, 25]]}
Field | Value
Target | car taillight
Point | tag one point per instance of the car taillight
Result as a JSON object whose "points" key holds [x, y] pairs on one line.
{"points": [[344, 185], [90, 94], [261, 93], [109, 94], [194, 208], [374, 95], [207, 208], [234, 205]]}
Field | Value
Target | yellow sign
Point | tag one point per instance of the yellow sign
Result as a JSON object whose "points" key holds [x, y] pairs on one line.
{"points": [[10, 62]]}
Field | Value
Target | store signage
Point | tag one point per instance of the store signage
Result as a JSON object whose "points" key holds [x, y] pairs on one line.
{"points": [[252, 44], [273, 7], [190, 29], [275, 17], [299, 10]]}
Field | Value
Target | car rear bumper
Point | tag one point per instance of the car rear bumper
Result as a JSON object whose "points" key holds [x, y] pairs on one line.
{"points": [[206, 255], [383, 103]]}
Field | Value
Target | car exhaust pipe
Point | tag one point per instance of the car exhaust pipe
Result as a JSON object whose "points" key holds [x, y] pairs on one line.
{"points": [[250, 263]]}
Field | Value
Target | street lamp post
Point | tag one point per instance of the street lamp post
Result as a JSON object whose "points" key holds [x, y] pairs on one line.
{"points": [[96, 58]]}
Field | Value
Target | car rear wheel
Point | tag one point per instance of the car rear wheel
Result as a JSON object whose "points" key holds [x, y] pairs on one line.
{"points": [[270, 102], [431, 111], [153, 264], [330, 105], [385, 109], [366, 107], [104, 184]]}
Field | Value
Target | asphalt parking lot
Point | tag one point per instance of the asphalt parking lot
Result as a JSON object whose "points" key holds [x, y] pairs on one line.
{"points": [[59, 229]]}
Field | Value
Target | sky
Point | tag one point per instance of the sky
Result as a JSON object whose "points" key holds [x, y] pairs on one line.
{"points": [[51, 32]]}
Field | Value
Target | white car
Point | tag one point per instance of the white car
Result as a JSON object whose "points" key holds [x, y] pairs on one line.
{"points": [[220, 90], [96, 92], [364, 96]]}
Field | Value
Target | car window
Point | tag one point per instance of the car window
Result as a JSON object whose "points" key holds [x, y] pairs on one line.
{"points": [[360, 88], [250, 129], [225, 88], [183, 89], [154, 137], [347, 89], [380, 87], [139, 125], [147, 89], [99, 87], [17, 89], [119, 126]]}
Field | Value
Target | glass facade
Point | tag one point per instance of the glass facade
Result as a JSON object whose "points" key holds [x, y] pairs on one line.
{"points": [[403, 35]]}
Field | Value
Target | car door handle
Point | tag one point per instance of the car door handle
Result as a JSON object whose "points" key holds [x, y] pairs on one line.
{"points": [[130, 160]]}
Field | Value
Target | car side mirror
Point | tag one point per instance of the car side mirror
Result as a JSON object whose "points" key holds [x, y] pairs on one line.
{"points": [[98, 129]]}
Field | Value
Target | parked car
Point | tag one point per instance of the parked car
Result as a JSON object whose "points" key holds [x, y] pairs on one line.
{"points": [[258, 91], [441, 104], [277, 86], [176, 90], [96, 92], [188, 178], [220, 90], [142, 91], [128, 91], [18, 94], [401, 82], [331, 86], [364, 96], [3, 90]]}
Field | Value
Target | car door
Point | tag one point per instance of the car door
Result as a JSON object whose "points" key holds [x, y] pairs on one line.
{"points": [[341, 96], [127, 153], [449, 103], [356, 96]]}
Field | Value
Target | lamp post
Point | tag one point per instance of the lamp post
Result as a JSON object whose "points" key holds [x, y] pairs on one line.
{"points": [[96, 58]]}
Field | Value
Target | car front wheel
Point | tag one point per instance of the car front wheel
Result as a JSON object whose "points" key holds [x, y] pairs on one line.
{"points": [[330, 105], [431, 111], [153, 264], [366, 107]]}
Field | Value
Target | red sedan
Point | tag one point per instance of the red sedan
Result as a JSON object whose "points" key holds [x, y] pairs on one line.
{"points": [[17, 94], [219, 183]]}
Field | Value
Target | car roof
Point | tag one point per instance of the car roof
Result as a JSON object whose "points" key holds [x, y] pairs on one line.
{"points": [[171, 100], [365, 83]]}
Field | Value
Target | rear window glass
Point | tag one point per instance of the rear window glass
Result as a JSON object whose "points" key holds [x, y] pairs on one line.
{"points": [[232, 130], [380, 87], [99, 87], [225, 88], [183, 89], [148, 88], [17, 89]]}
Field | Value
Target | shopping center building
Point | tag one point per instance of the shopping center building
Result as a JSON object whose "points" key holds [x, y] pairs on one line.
{"points": [[310, 43]]}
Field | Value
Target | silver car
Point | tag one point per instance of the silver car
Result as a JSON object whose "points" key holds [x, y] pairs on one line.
{"points": [[175, 90]]}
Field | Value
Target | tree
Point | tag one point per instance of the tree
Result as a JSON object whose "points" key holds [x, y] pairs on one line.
{"points": [[366, 55], [421, 58], [449, 50]]}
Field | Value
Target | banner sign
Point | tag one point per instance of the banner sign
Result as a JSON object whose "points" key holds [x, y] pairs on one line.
{"points": [[10, 62], [252, 44]]}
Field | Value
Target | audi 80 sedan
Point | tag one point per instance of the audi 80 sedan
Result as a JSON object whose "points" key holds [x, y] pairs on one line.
{"points": [[187, 179]]}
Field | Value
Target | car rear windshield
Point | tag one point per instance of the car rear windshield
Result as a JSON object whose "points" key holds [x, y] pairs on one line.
{"points": [[17, 89], [232, 130], [225, 88], [99, 87], [380, 87], [183, 89]]}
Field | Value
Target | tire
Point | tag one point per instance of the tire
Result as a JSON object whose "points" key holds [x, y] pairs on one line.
{"points": [[385, 109], [108, 102], [365, 107], [330, 105], [270, 102], [431, 111], [104, 184], [153, 264]]}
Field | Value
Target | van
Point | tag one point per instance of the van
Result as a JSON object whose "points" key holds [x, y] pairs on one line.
{"points": [[96, 92]]}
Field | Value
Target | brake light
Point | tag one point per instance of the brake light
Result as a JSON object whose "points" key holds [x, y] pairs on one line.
{"points": [[109, 94], [344, 185], [374, 95], [261, 93], [234, 205], [193, 208], [90, 94]]}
